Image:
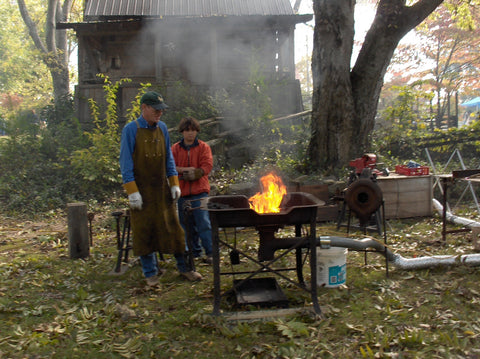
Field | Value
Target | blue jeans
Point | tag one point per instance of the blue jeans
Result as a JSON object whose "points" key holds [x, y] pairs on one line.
{"points": [[150, 264], [199, 223]]}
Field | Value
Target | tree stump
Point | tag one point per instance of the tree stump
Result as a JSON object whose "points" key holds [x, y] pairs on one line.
{"points": [[78, 243]]}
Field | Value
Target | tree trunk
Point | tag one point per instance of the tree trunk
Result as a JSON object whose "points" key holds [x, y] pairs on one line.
{"points": [[54, 47], [345, 102], [332, 101]]}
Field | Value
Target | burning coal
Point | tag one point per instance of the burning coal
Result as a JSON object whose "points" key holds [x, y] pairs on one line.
{"points": [[269, 200]]}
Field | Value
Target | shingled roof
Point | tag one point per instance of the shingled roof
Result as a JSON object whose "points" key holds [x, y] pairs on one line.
{"points": [[185, 8]]}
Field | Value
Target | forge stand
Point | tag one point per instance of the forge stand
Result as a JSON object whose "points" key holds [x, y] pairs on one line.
{"points": [[233, 211]]}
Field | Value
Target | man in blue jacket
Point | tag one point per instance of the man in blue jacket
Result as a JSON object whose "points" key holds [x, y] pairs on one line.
{"points": [[151, 182]]}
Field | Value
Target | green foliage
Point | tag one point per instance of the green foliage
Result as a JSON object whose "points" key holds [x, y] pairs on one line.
{"points": [[292, 329], [395, 137], [134, 111], [402, 145], [35, 175], [402, 135], [21, 68], [462, 12], [97, 164]]}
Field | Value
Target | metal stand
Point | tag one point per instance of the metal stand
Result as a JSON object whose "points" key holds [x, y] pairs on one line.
{"points": [[447, 180], [123, 238], [377, 217], [300, 242], [380, 226]]}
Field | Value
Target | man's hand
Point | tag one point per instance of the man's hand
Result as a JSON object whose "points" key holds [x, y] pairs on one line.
{"points": [[175, 192], [135, 200]]}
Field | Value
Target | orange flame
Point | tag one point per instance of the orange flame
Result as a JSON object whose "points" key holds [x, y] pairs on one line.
{"points": [[271, 197]]}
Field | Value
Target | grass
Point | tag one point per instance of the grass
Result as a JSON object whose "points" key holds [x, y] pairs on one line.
{"points": [[52, 306]]}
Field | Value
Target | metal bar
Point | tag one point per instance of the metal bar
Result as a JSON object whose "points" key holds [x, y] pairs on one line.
{"points": [[286, 269], [385, 235], [216, 265], [266, 267], [313, 262], [444, 213], [187, 213], [127, 247], [462, 230]]}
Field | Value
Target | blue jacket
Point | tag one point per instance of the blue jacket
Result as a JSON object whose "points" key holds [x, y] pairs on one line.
{"points": [[127, 146]]}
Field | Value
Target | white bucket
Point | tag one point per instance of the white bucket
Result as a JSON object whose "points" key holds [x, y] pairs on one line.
{"points": [[331, 267]]}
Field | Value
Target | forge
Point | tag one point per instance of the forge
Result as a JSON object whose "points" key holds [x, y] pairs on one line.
{"points": [[296, 209]]}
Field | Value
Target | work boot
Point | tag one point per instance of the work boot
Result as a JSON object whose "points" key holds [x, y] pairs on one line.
{"points": [[161, 271], [152, 281], [192, 276], [208, 260]]}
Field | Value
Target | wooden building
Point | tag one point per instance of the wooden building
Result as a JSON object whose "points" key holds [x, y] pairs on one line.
{"points": [[206, 43]]}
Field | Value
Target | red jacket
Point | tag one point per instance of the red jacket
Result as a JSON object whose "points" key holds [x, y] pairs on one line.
{"points": [[198, 155]]}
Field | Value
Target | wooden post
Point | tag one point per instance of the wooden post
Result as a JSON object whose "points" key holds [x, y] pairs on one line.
{"points": [[78, 243], [476, 238]]}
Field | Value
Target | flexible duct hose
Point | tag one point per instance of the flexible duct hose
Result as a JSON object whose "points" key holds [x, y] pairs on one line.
{"points": [[397, 260], [452, 218]]}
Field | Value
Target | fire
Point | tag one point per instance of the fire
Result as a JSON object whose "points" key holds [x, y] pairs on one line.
{"points": [[269, 200]]}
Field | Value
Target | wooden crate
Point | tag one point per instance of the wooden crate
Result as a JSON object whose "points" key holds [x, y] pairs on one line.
{"points": [[407, 196]]}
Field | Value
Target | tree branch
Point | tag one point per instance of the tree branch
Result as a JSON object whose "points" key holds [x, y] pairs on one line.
{"points": [[32, 28], [50, 26]]}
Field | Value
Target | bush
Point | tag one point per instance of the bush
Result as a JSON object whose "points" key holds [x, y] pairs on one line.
{"points": [[35, 172]]}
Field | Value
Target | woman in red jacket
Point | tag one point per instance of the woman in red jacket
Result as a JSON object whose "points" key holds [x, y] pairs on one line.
{"points": [[194, 161]]}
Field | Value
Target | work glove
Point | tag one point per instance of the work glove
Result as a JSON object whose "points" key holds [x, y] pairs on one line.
{"points": [[135, 200], [193, 175], [175, 192]]}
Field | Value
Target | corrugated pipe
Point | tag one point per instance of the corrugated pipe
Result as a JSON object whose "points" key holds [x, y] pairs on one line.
{"points": [[397, 260], [452, 218]]}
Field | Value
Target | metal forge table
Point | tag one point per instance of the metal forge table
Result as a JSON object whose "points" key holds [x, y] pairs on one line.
{"points": [[233, 211]]}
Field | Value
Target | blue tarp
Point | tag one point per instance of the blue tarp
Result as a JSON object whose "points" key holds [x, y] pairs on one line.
{"points": [[472, 103]]}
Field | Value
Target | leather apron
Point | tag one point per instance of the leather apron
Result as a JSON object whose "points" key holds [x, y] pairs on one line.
{"points": [[156, 227]]}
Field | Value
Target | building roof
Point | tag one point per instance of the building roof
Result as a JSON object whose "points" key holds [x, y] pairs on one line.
{"points": [[95, 9]]}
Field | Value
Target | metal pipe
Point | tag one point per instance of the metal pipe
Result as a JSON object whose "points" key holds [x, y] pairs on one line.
{"points": [[452, 218], [396, 259]]}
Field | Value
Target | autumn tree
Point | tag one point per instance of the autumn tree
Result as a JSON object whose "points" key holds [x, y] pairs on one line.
{"points": [[450, 43], [52, 43], [23, 78], [345, 99]]}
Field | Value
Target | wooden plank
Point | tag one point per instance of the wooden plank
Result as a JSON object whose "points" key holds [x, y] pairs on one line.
{"points": [[407, 196]]}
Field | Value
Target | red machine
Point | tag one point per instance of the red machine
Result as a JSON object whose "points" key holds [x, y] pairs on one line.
{"points": [[368, 160]]}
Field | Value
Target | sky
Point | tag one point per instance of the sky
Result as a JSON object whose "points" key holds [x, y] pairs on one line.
{"points": [[364, 14]]}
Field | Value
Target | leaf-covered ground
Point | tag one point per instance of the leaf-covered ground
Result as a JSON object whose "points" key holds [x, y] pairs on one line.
{"points": [[52, 306]]}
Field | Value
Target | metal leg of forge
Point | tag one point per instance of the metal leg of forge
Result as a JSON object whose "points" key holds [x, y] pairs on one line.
{"points": [[266, 265]]}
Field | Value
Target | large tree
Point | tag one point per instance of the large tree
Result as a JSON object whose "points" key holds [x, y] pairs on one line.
{"points": [[345, 99], [53, 45]]}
